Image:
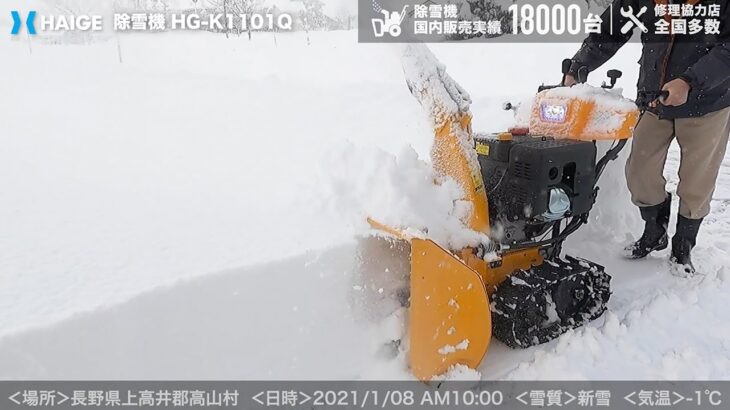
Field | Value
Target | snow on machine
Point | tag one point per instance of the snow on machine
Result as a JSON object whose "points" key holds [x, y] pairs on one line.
{"points": [[528, 190]]}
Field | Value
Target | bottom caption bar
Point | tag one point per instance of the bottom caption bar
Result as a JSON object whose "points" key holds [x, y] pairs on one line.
{"points": [[363, 394]]}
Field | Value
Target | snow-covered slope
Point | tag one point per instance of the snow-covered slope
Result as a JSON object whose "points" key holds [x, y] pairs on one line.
{"points": [[195, 155], [278, 320], [183, 215]]}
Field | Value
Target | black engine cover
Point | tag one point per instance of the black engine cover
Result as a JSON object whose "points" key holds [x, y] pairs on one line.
{"points": [[520, 173]]}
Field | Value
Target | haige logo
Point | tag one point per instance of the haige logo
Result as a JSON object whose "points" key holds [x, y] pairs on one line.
{"points": [[18, 22]]}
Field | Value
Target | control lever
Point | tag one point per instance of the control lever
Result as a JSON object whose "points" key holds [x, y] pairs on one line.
{"points": [[567, 63], [613, 75]]}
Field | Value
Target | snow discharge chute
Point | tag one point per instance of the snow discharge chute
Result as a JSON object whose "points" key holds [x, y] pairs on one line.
{"points": [[540, 189]]}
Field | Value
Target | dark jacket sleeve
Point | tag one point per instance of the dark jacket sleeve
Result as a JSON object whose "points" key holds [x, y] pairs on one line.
{"points": [[713, 69], [599, 48]]}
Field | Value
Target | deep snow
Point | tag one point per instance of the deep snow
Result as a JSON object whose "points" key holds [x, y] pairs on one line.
{"points": [[179, 216]]}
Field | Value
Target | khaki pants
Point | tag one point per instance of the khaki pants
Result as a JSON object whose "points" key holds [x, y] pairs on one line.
{"points": [[702, 141]]}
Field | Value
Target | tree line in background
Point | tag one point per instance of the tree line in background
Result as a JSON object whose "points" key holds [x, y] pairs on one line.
{"points": [[307, 15], [490, 10]]}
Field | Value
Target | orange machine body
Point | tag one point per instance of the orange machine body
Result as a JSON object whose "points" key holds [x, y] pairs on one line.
{"points": [[450, 319], [564, 114]]}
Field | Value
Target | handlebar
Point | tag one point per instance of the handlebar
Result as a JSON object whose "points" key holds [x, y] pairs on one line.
{"points": [[643, 99], [581, 76]]}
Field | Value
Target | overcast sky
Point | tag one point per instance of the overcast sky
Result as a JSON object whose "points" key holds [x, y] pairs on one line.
{"points": [[330, 5]]}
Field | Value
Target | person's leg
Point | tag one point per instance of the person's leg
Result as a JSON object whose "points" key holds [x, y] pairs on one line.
{"points": [[703, 142], [645, 166], [645, 179]]}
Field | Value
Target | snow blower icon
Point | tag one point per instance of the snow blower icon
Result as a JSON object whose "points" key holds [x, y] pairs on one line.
{"points": [[390, 23]]}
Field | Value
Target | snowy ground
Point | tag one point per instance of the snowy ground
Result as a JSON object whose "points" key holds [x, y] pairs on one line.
{"points": [[173, 216]]}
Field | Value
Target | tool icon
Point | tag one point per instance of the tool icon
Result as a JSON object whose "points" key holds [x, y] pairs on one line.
{"points": [[633, 19]]}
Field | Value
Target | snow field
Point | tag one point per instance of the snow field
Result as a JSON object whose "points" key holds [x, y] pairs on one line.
{"points": [[190, 213]]}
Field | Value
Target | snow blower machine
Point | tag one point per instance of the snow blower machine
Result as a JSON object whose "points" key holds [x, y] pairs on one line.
{"points": [[528, 190]]}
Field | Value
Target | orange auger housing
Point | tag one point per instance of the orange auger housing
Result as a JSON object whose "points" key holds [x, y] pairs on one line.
{"points": [[450, 321]]}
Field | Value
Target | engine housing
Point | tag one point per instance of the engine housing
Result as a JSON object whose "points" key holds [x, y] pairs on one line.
{"points": [[524, 175]]}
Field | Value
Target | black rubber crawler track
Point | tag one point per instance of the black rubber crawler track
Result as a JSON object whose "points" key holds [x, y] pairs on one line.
{"points": [[535, 306]]}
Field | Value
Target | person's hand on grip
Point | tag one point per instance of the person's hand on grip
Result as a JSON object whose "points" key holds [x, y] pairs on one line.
{"points": [[678, 90], [569, 80]]}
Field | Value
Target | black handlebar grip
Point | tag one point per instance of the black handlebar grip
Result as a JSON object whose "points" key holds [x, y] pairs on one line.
{"points": [[582, 75], [644, 97], [614, 74], [566, 65]]}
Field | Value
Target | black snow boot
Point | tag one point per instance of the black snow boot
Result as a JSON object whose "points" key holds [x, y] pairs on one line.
{"points": [[655, 236], [682, 243]]}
